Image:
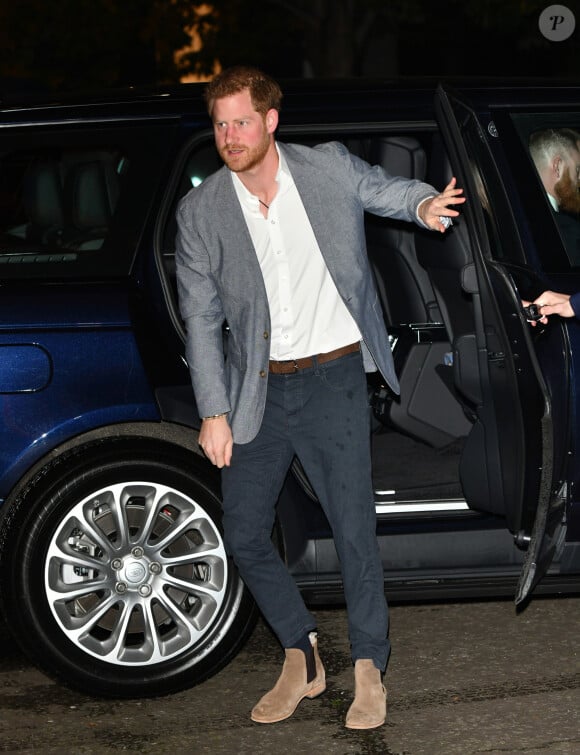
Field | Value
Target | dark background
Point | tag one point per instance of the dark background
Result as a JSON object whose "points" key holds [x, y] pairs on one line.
{"points": [[86, 44]]}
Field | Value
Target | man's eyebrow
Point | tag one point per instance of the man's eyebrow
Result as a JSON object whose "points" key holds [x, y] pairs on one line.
{"points": [[238, 118]]}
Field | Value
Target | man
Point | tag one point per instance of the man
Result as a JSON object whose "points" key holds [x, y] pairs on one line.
{"points": [[274, 243], [557, 158]]}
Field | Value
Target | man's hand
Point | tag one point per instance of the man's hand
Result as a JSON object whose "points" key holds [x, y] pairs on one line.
{"points": [[430, 210], [216, 440]]}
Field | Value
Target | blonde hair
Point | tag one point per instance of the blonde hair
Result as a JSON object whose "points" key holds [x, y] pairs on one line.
{"points": [[552, 142]]}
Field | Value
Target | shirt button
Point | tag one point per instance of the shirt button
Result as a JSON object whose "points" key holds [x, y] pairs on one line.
{"points": [[266, 335], [262, 373]]}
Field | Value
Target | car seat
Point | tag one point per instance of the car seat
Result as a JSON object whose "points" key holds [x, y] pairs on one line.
{"points": [[447, 258], [406, 292], [427, 408], [92, 192], [42, 197]]}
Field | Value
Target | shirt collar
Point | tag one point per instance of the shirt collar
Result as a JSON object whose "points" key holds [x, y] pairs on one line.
{"points": [[553, 202]]}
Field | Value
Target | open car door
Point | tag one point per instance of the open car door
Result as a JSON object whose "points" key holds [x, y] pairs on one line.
{"points": [[513, 459]]}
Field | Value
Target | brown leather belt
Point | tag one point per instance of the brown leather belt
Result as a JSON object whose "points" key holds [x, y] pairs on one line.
{"points": [[293, 365]]}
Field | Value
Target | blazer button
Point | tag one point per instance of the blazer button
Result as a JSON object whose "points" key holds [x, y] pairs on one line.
{"points": [[262, 373], [266, 335]]}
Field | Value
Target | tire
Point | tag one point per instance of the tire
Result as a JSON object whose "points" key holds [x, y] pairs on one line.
{"points": [[114, 577]]}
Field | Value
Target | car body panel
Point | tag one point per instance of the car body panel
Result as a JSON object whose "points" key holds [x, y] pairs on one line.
{"points": [[90, 374]]}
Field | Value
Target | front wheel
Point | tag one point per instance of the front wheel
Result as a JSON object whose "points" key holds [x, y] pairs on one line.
{"points": [[114, 575]]}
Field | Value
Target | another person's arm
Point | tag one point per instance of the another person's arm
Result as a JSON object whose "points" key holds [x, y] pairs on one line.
{"points": [[553, 303]]}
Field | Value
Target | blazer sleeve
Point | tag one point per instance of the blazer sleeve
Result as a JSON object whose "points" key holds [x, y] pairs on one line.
{"points": [[379, 192], [202, 312]]}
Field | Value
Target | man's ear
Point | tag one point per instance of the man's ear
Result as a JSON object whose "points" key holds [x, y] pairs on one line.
{"points": [[272, 120], [557, 167]]}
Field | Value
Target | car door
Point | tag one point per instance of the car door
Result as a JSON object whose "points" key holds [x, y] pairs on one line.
{"points": [[514, 456]]}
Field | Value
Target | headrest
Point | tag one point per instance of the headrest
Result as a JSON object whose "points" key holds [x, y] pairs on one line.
{"points": [[400, 156], [94, 192], [43, 195]]}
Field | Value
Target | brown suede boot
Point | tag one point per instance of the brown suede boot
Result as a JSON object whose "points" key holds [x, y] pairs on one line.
{"points": [[369, 708], [281, 701]]}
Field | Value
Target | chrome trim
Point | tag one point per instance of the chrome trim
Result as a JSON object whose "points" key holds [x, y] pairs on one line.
{"points": [[414, 507]]}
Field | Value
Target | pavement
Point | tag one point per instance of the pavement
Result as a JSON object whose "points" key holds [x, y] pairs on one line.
{"points": [[465, 677]]}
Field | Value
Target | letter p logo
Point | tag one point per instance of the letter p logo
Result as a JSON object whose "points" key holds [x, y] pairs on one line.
{"points": [[557, 23]]}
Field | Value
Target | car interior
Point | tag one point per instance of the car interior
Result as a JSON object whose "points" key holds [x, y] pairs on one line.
{"points": [[422, 431], [58, 200]]}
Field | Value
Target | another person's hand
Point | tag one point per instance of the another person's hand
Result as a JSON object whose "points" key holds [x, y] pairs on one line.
{"points": [[552, 303], [216, 440], [431, 210], [534, 322]]}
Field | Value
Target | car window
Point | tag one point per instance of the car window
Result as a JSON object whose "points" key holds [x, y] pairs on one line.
{"points": [[551, 143], [200, 162], [57, 202], [496, 209], [72, 204]]}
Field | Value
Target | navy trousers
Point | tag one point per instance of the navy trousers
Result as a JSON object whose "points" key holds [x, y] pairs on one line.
{"points": [[321, 414]]}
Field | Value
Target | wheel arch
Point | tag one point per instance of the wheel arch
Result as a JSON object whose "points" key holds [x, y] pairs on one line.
{"points": [[153, 434]]}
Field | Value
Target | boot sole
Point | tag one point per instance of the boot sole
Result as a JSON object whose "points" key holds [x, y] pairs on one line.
{"points": [[361, 727]]}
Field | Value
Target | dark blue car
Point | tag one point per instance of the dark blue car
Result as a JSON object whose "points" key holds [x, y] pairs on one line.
{"points": [[113, 573]]}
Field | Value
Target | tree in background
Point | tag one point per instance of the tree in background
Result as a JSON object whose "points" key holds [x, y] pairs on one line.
{"points": [[333, 38], [327, 38], [70, 44]]}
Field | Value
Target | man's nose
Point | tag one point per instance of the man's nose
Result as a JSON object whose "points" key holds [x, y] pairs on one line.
{"points": [[230, 134]]}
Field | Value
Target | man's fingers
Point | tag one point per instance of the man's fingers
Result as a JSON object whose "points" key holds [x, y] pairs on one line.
{"points": [[453, 198], [215, 439], [219, 457]]}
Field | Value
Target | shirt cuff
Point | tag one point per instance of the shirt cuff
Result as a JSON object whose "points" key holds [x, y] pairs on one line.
{"points": [[419, 219]]}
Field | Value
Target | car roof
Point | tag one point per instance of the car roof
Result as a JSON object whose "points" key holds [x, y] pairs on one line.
{"points": [[331, 99]]}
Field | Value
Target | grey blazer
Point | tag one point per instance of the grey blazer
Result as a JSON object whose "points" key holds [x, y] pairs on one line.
{"points": [[219, 277]]}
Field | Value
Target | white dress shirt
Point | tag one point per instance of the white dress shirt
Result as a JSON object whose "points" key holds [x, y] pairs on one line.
{"points": [[306, 312]]}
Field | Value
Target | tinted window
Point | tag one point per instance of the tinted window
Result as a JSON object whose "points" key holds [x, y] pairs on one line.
{"points": [[73, 202], [550, 183], [56, 203]]}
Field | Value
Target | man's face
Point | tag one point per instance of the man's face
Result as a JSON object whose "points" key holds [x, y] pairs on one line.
{"points": [[567, 188], [242, 135]]}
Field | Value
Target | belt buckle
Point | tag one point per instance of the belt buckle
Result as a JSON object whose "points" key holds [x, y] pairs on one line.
{"points": [[291, 363]]}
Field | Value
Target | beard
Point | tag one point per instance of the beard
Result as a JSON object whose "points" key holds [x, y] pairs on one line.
{"points": [[567, 193], [248, 158]]}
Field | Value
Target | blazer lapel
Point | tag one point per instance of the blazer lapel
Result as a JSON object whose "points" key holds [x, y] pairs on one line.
{"points": [[242, 266], [232, 224]]}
